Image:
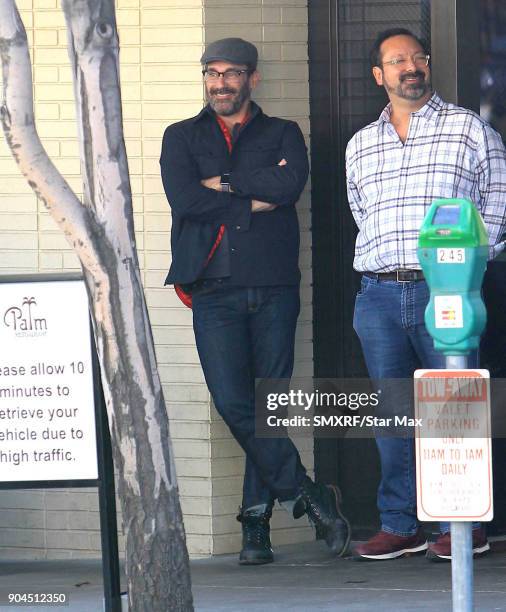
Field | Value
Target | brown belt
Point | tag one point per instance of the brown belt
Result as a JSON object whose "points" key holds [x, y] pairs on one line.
{"points": [[401, 276]]}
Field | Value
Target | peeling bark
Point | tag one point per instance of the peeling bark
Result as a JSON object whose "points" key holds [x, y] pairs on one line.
{"points": [[100, 229]]}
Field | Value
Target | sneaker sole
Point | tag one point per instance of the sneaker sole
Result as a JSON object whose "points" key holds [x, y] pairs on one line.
{"points": [[338, 499], [392, 555], [479, 550]]}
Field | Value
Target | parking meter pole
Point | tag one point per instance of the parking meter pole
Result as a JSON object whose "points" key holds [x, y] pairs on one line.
{"points": [[462, 555], [456, 362], [453, 251], [462, 567]]}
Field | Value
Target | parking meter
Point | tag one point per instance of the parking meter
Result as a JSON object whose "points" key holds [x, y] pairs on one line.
{"points": [[453, 252]]}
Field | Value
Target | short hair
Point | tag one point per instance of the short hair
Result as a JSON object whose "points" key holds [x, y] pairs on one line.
{"points": [[375, 52]]}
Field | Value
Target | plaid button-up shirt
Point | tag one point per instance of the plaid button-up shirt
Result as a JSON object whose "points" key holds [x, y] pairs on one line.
{"points": [[450, 152]]}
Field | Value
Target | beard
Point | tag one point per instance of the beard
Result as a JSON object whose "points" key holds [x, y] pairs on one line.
{"points": [[231, 105], [411, 90]]}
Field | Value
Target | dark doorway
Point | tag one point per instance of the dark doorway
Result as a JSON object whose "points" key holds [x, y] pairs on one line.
{"points": [[344, 98]]}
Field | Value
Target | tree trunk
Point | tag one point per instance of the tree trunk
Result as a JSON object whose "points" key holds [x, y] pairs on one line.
{"points": [[101, 231]]}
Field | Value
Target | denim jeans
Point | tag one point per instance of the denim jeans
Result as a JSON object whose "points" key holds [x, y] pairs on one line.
{"points": [[243, 334], [389, 321]]}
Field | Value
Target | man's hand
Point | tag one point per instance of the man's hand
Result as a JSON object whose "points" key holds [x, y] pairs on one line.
{"points": [[214, 182], [258, 206]]}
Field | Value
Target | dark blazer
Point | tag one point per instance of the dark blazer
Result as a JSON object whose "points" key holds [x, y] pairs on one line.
{"points": [[263, 246]]}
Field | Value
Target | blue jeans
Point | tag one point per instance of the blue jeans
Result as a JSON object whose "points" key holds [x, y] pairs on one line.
{"points": [[243, 334], [389, 321]]}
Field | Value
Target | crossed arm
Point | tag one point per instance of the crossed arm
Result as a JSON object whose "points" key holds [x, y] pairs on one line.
{"points": [[256, 205], [258, 190]]}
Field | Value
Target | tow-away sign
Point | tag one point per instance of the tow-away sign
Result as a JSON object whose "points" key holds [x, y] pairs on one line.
{"points": [[453, 445]]}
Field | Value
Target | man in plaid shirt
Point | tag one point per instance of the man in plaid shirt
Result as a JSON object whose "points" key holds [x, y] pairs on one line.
{"points": [[420, 149]]}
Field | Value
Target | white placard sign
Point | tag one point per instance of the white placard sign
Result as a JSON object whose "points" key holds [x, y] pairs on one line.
{"points": [[47, 414], [453, 445]]}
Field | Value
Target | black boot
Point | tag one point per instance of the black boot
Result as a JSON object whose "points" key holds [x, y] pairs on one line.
{"points": [[322, 505], [256, 542]]}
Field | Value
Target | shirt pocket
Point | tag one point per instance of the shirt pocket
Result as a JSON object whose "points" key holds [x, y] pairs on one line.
{"points": [[209, 163], [258, 155]]}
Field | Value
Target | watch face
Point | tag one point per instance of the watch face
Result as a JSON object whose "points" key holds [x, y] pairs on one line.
{"points": [[225, 182]]}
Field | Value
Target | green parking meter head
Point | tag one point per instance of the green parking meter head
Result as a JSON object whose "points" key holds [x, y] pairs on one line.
{"points": [[453, 252], [453, 223]]}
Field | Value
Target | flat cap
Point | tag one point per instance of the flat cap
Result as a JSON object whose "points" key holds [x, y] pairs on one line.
{"points": [[235, 50]]}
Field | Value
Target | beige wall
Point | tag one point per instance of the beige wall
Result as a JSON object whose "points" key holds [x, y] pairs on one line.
{"points": [[161, 42], [279, 29]]}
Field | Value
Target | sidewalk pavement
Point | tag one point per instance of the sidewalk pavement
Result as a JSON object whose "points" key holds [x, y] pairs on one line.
{"points": [[304, 578]]}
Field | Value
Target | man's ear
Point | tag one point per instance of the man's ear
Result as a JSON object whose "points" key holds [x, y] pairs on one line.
{"points": [[378, 75], [254, 79]]}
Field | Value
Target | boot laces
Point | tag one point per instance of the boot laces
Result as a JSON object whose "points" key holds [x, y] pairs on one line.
{"points": [[256, 529]]}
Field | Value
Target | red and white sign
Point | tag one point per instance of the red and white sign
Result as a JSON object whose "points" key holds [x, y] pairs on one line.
{"points": [[453, 445]]}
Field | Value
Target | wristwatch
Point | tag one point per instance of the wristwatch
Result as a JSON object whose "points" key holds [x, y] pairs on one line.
{"points": [[225, 182]]}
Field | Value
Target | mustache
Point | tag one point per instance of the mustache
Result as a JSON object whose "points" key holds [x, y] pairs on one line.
{"points": [[222, 90], [418, 73]]}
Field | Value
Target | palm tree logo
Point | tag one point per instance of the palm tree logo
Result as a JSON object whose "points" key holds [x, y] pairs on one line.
{"points": [[29, 301]]}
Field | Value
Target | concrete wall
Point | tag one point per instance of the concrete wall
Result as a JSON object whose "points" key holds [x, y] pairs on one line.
{"points": [[161, 43]]}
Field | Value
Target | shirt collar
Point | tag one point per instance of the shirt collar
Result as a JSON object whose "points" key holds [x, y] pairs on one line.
{"points": [[207, 111], [428, 111]]}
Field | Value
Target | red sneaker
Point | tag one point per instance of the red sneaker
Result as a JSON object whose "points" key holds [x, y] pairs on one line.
{"points": [[441, 549], [389, 546]]}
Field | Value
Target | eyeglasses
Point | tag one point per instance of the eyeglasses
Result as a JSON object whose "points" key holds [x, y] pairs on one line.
{"points": [[229, 75], [419, 59]]}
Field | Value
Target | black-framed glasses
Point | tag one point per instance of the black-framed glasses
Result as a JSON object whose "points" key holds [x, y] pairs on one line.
{"points": [[232, 74], [419, 59]]}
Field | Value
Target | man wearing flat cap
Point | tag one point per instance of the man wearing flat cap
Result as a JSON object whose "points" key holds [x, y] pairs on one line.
{"points": [[232, 176]]}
